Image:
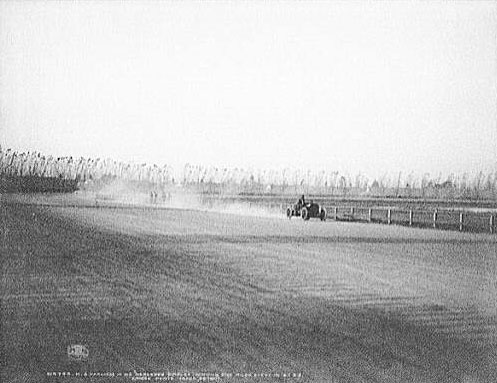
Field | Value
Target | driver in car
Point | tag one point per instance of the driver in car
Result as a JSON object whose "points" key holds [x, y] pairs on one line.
{"points": [[301, 202]]}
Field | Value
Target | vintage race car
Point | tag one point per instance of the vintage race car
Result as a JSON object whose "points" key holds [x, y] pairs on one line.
{"points": [[309, 210]]}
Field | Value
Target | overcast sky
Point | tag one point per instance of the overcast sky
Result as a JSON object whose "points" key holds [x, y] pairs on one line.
{"points": [[357, 86]]}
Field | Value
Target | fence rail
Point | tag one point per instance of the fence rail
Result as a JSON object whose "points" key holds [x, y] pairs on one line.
{"points": [[423, 213], [437, 219]]}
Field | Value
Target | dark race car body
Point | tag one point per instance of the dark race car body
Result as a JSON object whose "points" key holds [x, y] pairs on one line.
{"points": [[307, 211]]}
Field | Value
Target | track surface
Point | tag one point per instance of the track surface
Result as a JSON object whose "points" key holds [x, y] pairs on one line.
{"points": [[178, 290]]}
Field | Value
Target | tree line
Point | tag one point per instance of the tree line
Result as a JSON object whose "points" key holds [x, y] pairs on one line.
{"points": [[212, 179]]}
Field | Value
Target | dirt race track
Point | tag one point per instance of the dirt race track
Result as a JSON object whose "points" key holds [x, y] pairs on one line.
{"points": [[196, 292]]}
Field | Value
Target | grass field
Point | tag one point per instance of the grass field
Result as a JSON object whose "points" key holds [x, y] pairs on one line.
{"points": [[158, 290]]}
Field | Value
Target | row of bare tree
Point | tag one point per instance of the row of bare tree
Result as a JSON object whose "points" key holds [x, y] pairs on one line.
{"points": [[238, 180], [35, 164]]}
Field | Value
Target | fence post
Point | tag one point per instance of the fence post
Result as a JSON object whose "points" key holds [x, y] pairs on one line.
{"points": [[410, 217], [352, 213], [336, 213], [492, 219], [370, 215], [389, 216], [435, 215], [461, 221]]}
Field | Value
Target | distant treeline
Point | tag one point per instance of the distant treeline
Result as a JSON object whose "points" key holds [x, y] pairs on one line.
{"points": [[36, 184], [33, 171]]}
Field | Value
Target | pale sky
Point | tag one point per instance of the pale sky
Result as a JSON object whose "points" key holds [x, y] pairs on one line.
{"points": [[352, 86]]}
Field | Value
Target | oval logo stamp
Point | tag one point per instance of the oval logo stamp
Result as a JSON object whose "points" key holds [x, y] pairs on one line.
{"points": [[77, 352]]}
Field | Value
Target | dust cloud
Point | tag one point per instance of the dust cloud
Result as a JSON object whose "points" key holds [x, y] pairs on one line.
{"points": [[118, 192]]}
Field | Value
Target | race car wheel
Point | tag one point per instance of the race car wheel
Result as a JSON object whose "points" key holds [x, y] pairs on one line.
{"points": [[305, 214], [289, 213], [322, 215]]}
